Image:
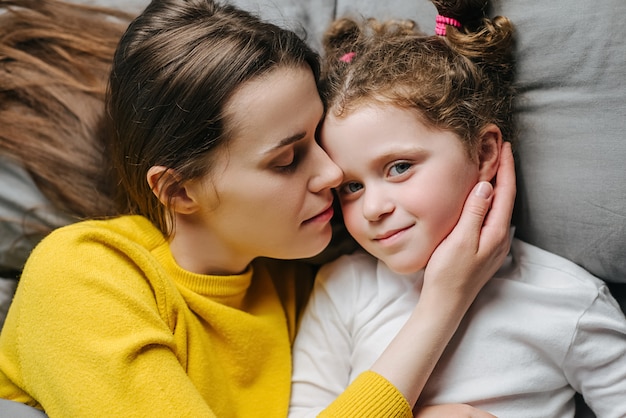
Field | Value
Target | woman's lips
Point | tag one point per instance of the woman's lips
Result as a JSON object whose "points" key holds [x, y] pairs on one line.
{"points": [[324, 216]]}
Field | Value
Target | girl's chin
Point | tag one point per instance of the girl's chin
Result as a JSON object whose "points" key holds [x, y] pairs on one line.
{"points": [[404, 266]]}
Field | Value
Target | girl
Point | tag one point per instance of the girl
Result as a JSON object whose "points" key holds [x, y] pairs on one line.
{"points": [[177, 307], [415, 122]]}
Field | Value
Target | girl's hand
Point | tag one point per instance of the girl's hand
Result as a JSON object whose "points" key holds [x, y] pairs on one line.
{"points": [[476, 248], [451, 411]]}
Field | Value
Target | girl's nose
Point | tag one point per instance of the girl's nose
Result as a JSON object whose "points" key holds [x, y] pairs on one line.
{"points": [[375, 204]]}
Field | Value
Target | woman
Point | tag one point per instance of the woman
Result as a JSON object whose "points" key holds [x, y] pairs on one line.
{"points": [[175, 308]]}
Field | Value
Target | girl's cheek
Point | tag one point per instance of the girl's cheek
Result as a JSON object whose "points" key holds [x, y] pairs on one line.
{"points": [[350, 219]]}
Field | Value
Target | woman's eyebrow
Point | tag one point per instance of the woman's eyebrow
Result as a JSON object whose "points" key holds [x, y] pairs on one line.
{"points": [[286, 141]]}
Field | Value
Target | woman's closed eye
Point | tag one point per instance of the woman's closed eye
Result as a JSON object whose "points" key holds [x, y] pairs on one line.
{"points": [[288, 161], [287, 164]]}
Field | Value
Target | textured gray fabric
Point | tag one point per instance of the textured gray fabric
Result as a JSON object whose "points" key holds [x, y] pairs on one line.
{"points": [[572, 197], [23, 212], [308, 18], [10, 409], [7, 290]]}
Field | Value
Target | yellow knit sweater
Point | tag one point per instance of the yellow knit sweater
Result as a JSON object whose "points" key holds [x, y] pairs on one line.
{"points": [[105, 323]]}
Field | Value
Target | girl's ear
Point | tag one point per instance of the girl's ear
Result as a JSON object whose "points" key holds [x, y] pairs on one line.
{"points": [[166, 186], [489, 147]]}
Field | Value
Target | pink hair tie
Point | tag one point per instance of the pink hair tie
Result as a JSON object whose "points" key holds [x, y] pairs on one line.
{"points": [[347, 57], [442, 21]]}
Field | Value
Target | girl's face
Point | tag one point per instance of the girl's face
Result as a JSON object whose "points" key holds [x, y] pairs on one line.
{"points": [[269, 191], [404, 184]]}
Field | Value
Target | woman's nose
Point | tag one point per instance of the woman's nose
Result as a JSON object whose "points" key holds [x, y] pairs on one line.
{"points": [[328, 174]]}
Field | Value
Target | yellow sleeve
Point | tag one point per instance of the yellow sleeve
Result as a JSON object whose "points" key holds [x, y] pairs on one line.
{"points": [[86, 323], [369, 396]]}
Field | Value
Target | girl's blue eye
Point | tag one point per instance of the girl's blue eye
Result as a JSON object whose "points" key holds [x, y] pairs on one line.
{"points": [[399, 168], [354, 187], [351, 187]]}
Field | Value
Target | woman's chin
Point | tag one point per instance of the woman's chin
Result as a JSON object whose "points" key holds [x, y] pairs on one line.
{"points": [[318, 249]]}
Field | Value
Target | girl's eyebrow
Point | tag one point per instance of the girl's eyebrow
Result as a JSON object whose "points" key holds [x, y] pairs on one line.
{"points": [[400, 152]]}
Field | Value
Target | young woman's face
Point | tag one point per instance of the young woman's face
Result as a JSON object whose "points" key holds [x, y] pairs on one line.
{"points": [[404, 184], [269, 192]]}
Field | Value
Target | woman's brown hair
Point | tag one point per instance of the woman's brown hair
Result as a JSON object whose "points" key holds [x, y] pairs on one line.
{"points": [[55, 58]]}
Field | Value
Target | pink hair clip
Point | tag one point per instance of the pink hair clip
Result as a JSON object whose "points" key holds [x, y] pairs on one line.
{"points": [[347, 57], [442, 21]]}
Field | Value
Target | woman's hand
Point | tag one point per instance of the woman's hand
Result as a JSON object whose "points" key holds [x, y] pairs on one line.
{"points": [[476, 248], [455, 273], [451, 411]]}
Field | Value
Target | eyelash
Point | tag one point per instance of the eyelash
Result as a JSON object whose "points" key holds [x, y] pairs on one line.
{"points": [[344, 189], [292, 166], [405, 164]]}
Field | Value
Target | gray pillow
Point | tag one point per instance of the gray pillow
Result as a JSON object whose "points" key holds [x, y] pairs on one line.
{"points": [[572, 148], [572, 112], [25, 215]]}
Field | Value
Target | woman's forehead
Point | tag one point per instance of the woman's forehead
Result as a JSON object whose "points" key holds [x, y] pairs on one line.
{"points": [[281, 104]]}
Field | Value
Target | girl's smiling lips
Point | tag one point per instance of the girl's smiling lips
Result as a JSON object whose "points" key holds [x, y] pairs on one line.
{"points": [[390, 234]]}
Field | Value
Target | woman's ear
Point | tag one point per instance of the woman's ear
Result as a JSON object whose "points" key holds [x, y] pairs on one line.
{"points": [[166, 186], [489, 147]]}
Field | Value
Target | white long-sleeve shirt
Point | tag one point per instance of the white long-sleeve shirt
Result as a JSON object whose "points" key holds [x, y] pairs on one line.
{"points": [[541, 330]]}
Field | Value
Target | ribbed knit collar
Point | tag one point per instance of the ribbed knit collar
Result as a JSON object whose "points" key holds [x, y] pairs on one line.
{"points": [[228, 289]]}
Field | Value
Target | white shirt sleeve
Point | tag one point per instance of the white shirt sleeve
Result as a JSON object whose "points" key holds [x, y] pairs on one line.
{"points": [[596, 363], [323, 346]]}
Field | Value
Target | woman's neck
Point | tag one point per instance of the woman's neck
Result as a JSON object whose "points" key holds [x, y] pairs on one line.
{"points": [[197, 250]]}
